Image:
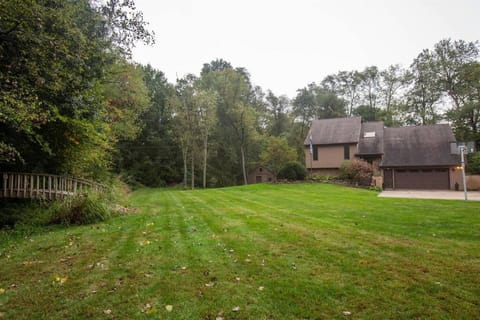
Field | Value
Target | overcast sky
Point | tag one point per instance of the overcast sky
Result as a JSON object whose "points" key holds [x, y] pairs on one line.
{"points": [[287, 44]]}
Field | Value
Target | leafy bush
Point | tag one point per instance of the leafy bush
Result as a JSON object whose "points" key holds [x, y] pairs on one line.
{"points": [[81, 209], [474, 163], [293, 170], [357, 171]]}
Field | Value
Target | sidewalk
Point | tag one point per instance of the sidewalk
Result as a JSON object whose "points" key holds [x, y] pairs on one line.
{"points": [[431, 194]]}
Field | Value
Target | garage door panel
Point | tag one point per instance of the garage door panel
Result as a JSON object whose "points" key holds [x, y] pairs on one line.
{"points": [[421, 179]]}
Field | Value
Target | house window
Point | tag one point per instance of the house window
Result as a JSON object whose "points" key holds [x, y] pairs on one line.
{"points": [[370, 134], [346, 152], [315, 153]]}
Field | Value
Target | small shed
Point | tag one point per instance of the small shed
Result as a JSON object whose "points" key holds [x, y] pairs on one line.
{"points": [[260, 174]]}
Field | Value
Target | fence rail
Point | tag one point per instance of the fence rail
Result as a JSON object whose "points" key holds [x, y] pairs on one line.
{"points": [[44, 186]]}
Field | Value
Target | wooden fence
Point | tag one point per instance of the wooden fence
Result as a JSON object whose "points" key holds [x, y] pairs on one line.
{"points": [[44, 186]]}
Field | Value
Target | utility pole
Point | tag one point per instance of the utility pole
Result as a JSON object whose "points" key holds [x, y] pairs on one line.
{"points": [[462, 150]]}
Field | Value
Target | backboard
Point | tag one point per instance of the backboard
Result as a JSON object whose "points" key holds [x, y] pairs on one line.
{"points": [[469, 147]]}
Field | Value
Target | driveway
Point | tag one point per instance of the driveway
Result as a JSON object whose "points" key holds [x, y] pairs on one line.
{"points": [[431, 194]]}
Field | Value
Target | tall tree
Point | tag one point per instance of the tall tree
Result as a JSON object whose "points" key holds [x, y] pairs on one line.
{"points": [[304, 107], [370, 86], [54, 59], [424, 96], [205, 106], [277, 108], [186, 125]]}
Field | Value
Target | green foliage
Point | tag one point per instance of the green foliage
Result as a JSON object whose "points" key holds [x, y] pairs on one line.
{"points": [[293, 170], [66, 93], [81, 209], [473, 162], [357, 171], [277, 154]]}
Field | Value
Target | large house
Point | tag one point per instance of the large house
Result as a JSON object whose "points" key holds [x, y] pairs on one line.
{"points": [[411, 157]]}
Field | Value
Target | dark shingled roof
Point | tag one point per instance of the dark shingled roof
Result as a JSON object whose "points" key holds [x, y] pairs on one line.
{"points": [[418, 146], [335, 131], [371, 145]]}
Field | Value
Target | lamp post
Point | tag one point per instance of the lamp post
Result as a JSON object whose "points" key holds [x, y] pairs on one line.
{"points": [[462, 150]]}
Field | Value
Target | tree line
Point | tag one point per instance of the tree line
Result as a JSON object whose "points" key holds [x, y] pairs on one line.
{"points": [[72, 101]]}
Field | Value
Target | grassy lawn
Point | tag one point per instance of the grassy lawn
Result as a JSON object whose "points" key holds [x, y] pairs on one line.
{"points": [[307, 251]]}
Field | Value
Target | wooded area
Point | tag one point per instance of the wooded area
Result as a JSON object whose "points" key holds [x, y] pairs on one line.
{"points": [[72, 101]]}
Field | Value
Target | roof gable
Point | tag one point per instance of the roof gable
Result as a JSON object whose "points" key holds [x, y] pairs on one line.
{"points": [[334, 131]]}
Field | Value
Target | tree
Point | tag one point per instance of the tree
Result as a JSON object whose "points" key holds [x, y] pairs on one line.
{"points": [[152, 158], [55, 57], [277, 154], [185, 123], [329, 105], [424, 95], [234, 132], [345, 84], [304, 107], [370, 86], [277, 108], [205, 106]]}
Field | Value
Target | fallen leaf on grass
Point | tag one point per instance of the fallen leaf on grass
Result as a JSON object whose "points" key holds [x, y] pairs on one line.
{"points": [[169, 308], [149, 224], [210, 284], [2, 291], [236, 309], [346, 313], [59, 279], [148, 309], [145, 242], [261, 288], [237, 279], [108, 311]]}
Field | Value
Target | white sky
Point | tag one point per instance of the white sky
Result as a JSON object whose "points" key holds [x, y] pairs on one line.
{"points": [[286, 44]]}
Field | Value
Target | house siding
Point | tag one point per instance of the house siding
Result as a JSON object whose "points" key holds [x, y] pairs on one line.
{"points": [[329, 157]]}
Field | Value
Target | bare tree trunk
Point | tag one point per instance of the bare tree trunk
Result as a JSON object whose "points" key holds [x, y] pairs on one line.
{"points": [[193, 171], [184, 154], [205, 146], [242, 151]]}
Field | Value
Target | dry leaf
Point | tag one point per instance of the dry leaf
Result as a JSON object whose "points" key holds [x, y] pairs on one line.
{"points": [[346, 313], [108, 311], [146, 307], [261, 288], [236, 309], [144, 242], [210, 284], [2, 291], [169, 308], [237, 278]]}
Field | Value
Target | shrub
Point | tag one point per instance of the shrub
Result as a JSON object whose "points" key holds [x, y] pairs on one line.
{"points": [[473, 166], [293, 170], [357, 171], [81, 209]]}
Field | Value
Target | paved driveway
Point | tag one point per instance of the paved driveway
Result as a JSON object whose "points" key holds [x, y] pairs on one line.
{"points": [[433, 194]]}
